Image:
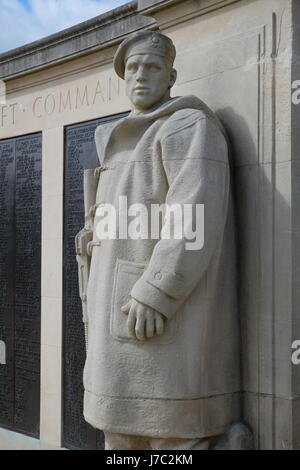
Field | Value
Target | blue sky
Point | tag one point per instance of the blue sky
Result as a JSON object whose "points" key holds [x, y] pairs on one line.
{"points": [[24, 21]]}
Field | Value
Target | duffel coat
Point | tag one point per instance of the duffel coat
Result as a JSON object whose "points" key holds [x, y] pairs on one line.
{"points": [[185, 383]]}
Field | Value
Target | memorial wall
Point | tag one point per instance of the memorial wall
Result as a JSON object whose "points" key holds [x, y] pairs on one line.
{"points": [[20, 274], [240, 57], [80, 154]]}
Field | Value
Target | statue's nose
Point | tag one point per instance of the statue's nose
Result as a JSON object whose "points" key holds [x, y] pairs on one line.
{"points": [[140, 76]]}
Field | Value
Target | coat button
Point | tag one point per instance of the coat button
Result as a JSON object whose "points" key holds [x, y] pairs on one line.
{"points": [[158, 276]]}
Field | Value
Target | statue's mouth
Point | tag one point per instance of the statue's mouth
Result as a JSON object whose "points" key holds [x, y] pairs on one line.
{"points": [[141, 88]]}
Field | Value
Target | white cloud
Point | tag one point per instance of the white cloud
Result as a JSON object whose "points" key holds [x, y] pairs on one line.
{"points": [[24, 21]]}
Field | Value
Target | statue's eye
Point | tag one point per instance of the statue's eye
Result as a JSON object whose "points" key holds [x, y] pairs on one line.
{"points": [[153, 67], [132, 67]]}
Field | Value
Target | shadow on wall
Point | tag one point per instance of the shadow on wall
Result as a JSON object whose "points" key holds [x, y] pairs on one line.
{"points": [[255, 198]]}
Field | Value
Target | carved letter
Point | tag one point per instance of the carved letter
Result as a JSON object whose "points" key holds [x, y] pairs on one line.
{"points": [[82, 99], [98, 92], [3, 115], [12, 106], [112, 87], [39, 98], [63, 104], [49, 109]]}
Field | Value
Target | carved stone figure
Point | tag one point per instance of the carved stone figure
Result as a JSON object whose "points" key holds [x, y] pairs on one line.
{"points": [[162, 367]]}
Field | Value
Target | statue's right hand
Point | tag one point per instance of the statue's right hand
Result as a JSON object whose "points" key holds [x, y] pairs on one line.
{"points": [[143, 321]]}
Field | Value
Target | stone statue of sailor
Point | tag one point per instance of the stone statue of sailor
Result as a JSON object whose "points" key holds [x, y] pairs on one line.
{"points": [[162, 366]]}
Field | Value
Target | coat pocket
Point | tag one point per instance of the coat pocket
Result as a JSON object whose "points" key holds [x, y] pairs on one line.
{"points": [[126, 275]]}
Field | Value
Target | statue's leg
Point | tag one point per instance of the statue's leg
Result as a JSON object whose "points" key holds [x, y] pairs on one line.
{"points": [[179, 444], [237, 437], [115, 441]]}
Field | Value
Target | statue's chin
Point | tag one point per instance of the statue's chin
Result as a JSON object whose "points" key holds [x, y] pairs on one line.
{"points": [[142, 105]]}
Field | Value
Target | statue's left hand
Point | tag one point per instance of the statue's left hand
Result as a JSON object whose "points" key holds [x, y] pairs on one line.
{"points": [[143, 322]]}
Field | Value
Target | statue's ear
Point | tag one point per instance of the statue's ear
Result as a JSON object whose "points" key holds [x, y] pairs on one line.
{"points": [[173, 77]]}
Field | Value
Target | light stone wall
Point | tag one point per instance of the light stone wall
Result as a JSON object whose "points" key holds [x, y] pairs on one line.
{"points": [[237, 57]]}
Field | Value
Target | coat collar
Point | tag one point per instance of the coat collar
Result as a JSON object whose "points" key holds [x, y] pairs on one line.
{"points": [[168, 108]]}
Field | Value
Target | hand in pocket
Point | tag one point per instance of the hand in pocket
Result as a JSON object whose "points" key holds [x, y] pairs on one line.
{"points": [[143, 322]]}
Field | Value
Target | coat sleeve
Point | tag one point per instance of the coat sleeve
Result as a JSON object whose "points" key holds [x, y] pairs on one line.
{"points": [[195, 160]]}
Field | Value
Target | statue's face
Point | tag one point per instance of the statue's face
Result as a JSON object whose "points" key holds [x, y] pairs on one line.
{"points": [[148, 80]]}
